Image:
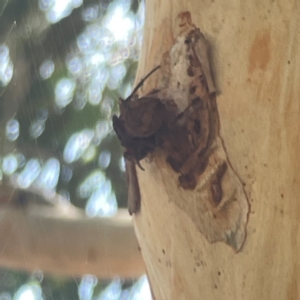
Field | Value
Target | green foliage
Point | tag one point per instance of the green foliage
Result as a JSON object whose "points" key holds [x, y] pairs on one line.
{"points": [[45, 127]]}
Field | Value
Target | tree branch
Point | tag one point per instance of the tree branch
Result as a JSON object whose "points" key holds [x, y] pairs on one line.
{"points": [[57, 241]]}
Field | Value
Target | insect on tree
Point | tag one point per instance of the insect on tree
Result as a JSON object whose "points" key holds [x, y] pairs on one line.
{"points": [[137, 127]]}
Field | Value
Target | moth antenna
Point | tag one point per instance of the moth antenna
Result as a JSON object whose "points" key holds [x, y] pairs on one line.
{"points": [[141, 83]]}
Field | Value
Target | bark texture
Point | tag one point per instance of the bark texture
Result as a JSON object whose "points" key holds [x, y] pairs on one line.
{"points": [[255, 62]]}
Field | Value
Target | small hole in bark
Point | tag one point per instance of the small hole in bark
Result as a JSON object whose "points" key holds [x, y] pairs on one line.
{"points": [[188, 41]]}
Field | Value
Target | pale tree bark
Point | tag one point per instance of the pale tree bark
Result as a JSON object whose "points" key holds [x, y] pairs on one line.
{"points": [[255, 62]]}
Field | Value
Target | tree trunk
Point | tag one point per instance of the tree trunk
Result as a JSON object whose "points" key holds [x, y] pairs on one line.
{"points": [[255, 64]]}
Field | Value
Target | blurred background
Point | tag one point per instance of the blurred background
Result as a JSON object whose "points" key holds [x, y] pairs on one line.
{"points": [[64, 64]]}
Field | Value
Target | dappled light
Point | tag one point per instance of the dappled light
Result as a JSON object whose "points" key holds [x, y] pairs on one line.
{"points": [[6, 65], [30, 291], [49, 175], [9, 164], [12, 129], [63, 67], [64, 92], [77, 144], [104, 159], [30, 172], [47, 68], [56, 10]]}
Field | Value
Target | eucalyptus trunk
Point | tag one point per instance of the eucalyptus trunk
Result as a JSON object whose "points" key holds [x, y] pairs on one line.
{"points": [[255, 66]]}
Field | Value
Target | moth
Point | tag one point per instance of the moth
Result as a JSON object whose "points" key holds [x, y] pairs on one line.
{"points": [[137, 126]]}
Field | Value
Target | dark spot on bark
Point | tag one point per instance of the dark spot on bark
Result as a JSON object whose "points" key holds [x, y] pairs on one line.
{"points": [[216, 286], [190, 71], [202, 78], [289, 62], [178, 84], [192, 90], [159, 260], [188, 41], [163, 251], [187, 182], [215, 186], [282, 196], [197, 101], [195, 270], [219, 273], [139, 248], [197, 264]]}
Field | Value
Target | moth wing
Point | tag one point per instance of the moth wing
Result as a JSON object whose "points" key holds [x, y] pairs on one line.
{"points": [[133, 189]]}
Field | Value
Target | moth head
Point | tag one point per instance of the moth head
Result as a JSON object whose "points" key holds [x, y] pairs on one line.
{"points": [[124, 103]]}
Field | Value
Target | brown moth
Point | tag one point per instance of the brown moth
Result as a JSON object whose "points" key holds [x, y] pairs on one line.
{"points": [[139, 121], [181, 118]]}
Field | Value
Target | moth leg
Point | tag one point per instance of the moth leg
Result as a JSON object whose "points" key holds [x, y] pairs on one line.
{"points": [[133, 189], [140, 166]]}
